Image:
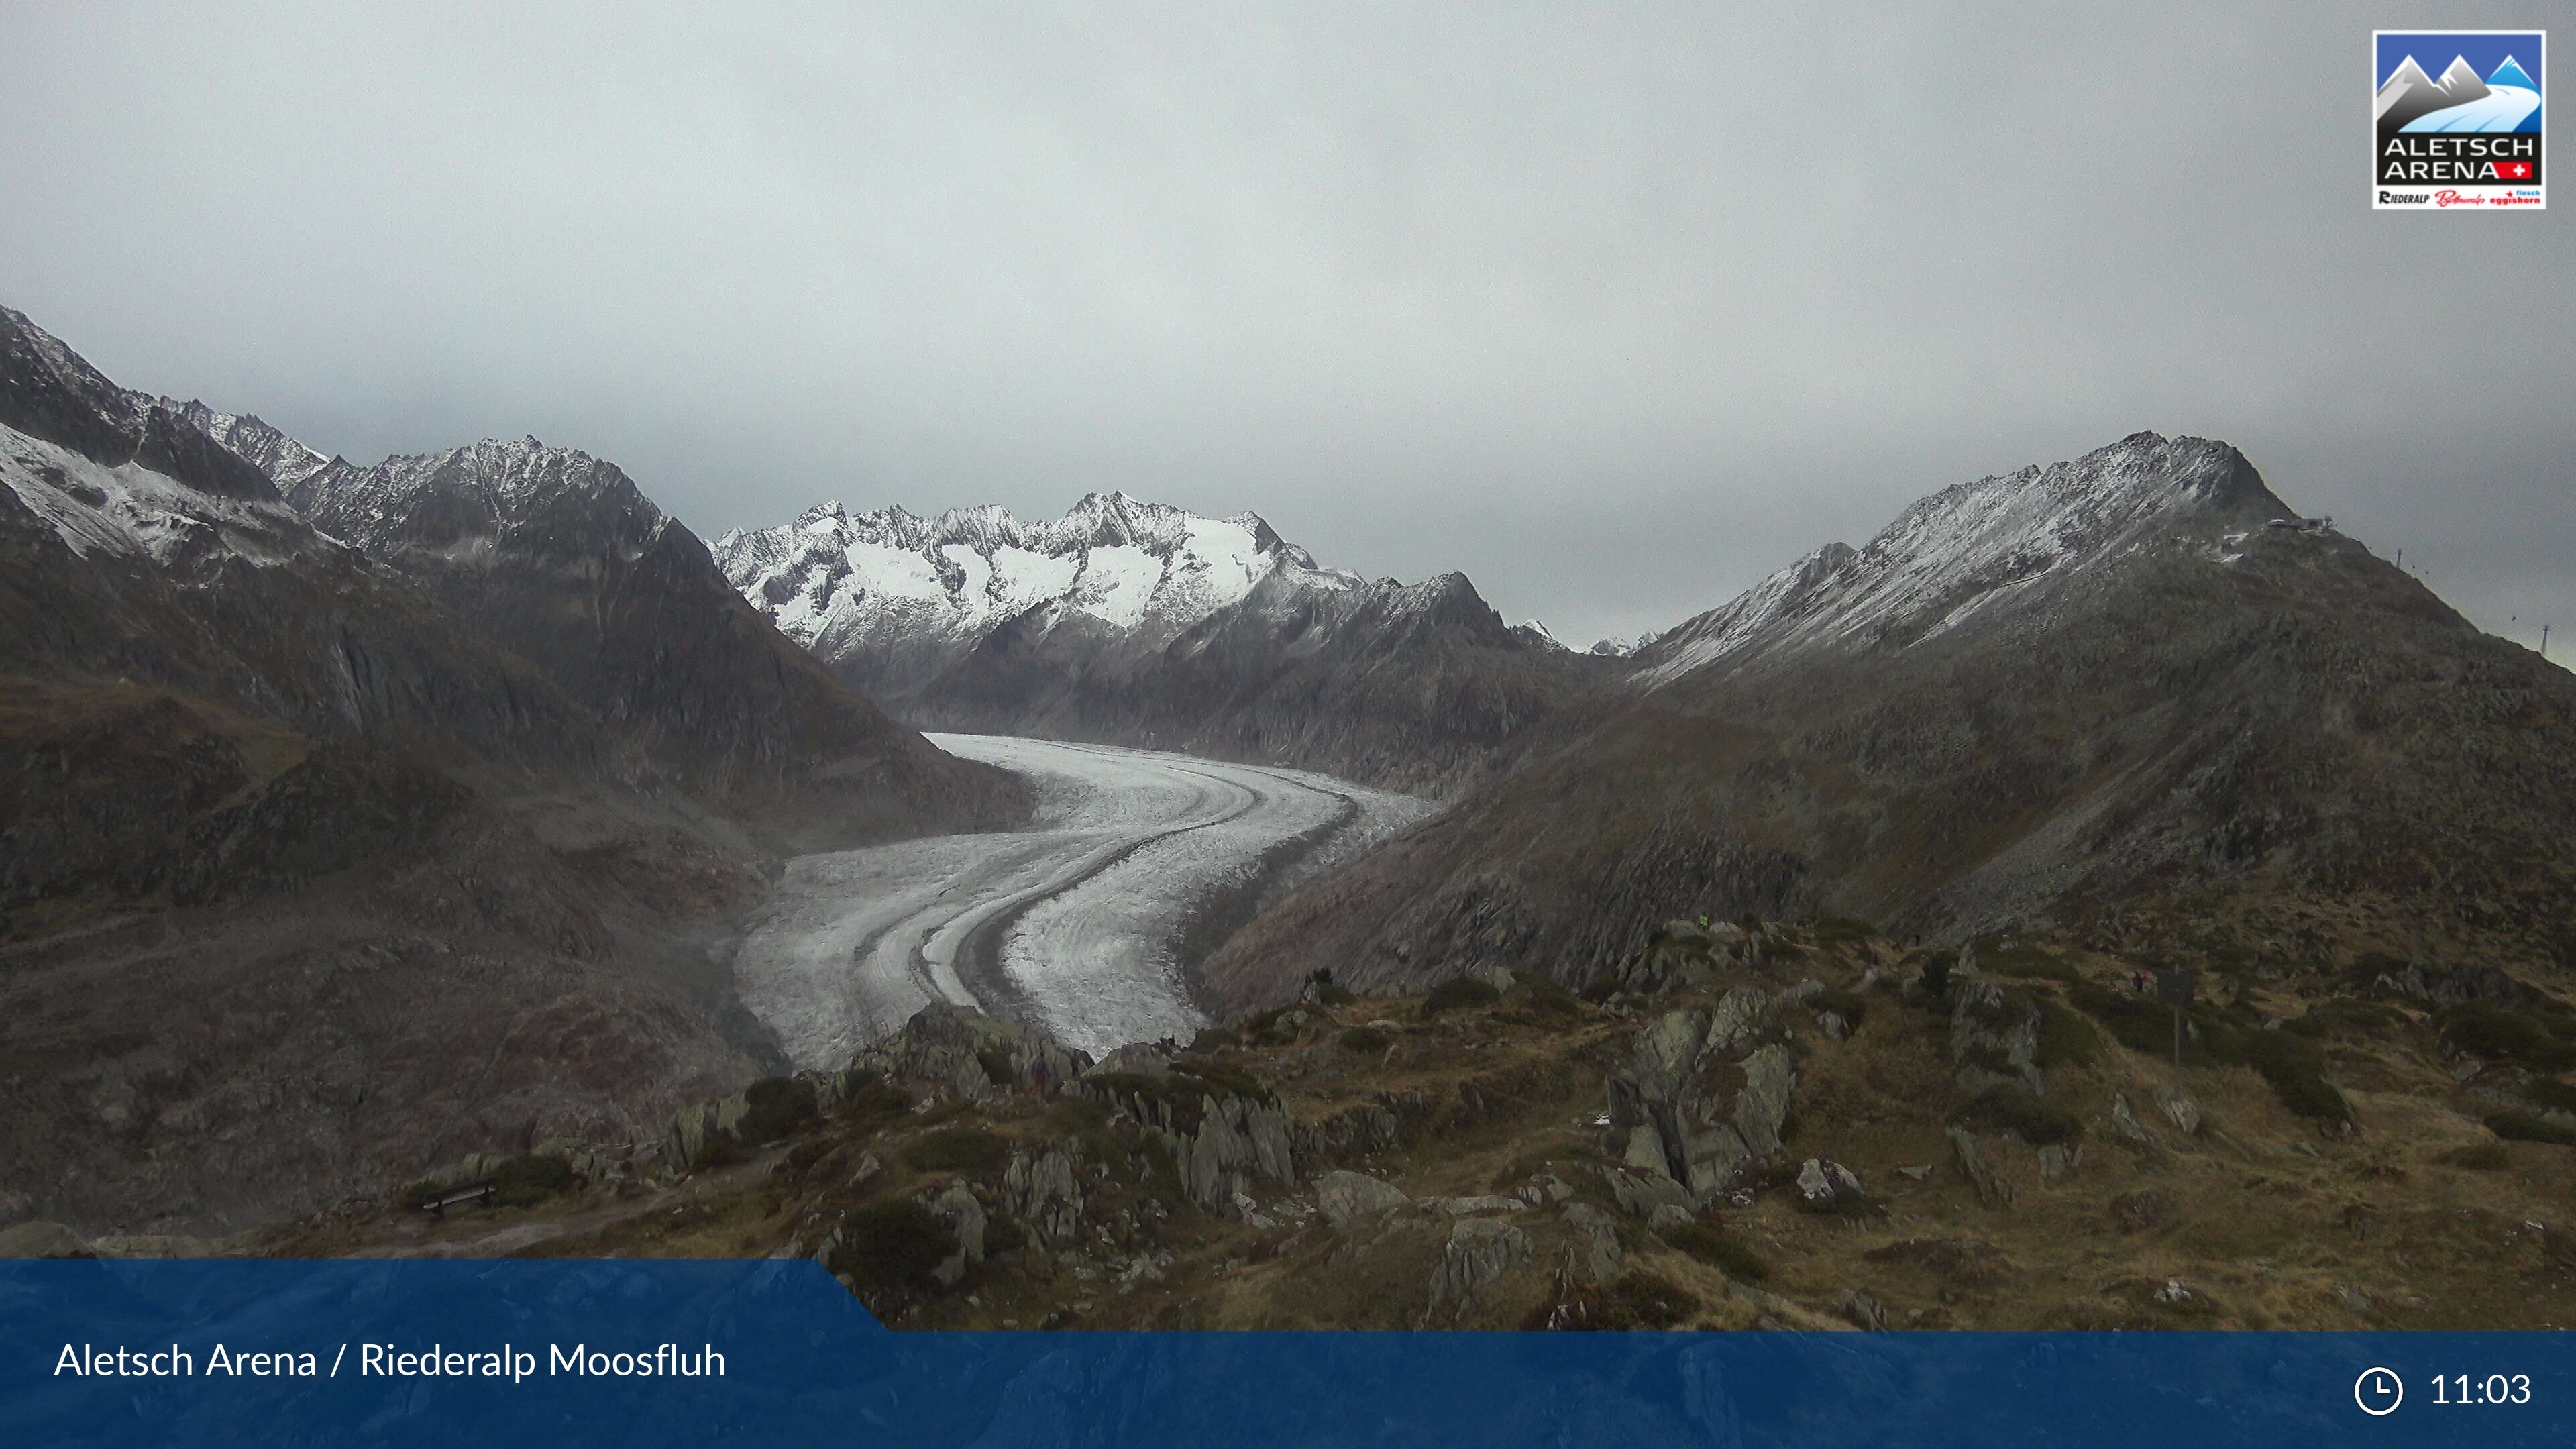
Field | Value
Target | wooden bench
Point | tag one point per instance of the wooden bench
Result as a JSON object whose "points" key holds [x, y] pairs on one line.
{"points": [[474, 1192]]}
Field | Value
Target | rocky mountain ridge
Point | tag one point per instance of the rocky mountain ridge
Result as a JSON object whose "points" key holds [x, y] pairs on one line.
{"points": [[2062, 697]]}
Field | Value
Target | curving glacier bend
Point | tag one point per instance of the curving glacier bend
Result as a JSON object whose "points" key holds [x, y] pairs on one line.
{"points": [[1087, 922]]}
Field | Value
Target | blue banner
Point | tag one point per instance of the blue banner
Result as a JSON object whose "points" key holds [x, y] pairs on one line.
{"points": [[638, 1354]]}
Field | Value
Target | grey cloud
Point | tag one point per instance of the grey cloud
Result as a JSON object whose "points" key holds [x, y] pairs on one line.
{"points": [[1615, 307]]}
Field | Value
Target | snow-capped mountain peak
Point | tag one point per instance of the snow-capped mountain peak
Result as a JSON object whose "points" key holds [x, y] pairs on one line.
{"points": [[1118, 561], [1973, 547], [2512, 74], [284, 459], [1539, 634]]}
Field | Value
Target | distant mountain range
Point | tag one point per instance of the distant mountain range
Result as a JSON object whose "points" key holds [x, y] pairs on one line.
{"points": [[1137, 623]]}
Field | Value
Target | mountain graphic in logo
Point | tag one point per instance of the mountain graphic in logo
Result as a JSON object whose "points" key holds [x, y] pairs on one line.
{"points": [[2409, 100]]}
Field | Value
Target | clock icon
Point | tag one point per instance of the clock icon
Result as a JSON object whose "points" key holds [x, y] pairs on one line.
{"points": [[2378, 1391]]}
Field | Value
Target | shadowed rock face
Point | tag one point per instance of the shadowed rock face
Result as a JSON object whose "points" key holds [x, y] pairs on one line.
{"points": [[571, 567], [2067, 694]]}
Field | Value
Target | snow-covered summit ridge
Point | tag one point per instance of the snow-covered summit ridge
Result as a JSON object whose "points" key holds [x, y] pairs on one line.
{"points": [[1971, 547], [521, 489], [286, 460], [115, 473], [1128, 564]]}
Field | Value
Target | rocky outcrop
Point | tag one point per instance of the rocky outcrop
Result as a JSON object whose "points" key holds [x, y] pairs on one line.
{"points": [[1993, 1188], [1480, 1251], [1825, 1185], [956, 1207], [718, 1129], [1683, 956], [1678, 1113], [1045, 1194], [2180, 1110], [1994, 1038], [1346, 1197], [1223, 1138], [41, 1240], [1593, 1256], [962, 1050]]}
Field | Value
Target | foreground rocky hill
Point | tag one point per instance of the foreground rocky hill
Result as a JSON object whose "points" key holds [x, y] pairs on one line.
{"points": [[1807, 1126], [1139, 624], [2097, 696], [315, 864]]}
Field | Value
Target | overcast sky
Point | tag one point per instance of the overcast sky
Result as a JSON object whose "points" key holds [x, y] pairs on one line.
{"points": [[1615, 307]]}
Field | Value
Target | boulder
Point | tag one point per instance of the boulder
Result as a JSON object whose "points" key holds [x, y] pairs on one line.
{"points": [[1824, 1185], [1544, 1188], [698, 1128], [1639, 1194], [2057, 1160], [763, 1112], [1346, 1197], [1479, 1252], [155, 1245], [1863, 1311], [472, 1167], [2124, 1120], [962, 1050], [1479, 1203], [41, 1240], [1992, 1188], [1221, 1138], [1144, 1059], [965, 1218], [1667, 1053], [2180, 1110], [1043, 1193], [1762, 1108], [1646, 1150], [1712, 1159], [1994, 1039], [1592, 1255], [1667, 1216], [1684, 956], [1237, 1138], [1741, 1014]]}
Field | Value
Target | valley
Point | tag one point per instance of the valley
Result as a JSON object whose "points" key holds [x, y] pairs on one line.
{"points": [[1256, 944]]}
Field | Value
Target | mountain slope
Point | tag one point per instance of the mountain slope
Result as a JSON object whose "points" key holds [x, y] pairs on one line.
{"points": [[1136, 623], [569, 565], [309, 876], [2077, 694]]}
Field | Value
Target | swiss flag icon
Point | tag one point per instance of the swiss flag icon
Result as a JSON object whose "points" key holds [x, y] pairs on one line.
{"points": [[2514, 170]]}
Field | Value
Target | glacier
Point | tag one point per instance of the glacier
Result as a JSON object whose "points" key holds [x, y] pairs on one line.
{"points": [[1084, 922]]}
